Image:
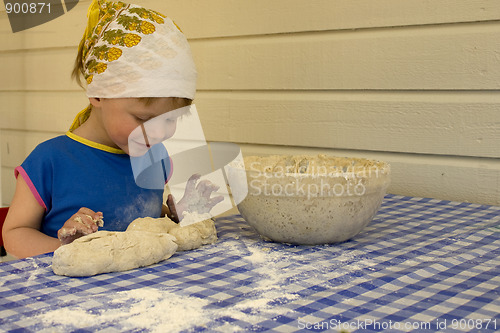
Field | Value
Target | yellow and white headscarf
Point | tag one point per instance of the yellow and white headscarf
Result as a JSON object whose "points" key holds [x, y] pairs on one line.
{"points": [[131, 51]]}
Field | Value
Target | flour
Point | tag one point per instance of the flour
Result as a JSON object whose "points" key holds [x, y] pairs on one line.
{"points": [[269, 293], [278, 277], [160, 311], [31, 269], [36, 269], [73, 317], [146, 308], [282, 273], [193, 217]]}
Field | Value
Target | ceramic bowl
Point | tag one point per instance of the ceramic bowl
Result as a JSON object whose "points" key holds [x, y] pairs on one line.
{"points": [[302, 199]]}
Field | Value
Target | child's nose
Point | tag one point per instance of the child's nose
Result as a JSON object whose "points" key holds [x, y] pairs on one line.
{"points": [[157, 131]]}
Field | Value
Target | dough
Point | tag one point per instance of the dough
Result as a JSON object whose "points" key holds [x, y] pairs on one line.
{"points": [[105, 251], [145, 242], [159, 225], [194, 235], [189, 237]]}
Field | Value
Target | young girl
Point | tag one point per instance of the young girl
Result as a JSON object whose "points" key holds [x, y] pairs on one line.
{"points": [[138, 66]]}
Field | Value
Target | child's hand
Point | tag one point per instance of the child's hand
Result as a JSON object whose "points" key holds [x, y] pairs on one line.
{"points": [[196, 198], [84, 222]]}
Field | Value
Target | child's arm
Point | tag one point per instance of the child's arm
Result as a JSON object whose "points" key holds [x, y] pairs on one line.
{"points": [[21, 230]]}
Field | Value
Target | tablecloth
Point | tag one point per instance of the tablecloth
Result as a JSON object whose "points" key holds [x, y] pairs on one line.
{"points": [[422, 265]]}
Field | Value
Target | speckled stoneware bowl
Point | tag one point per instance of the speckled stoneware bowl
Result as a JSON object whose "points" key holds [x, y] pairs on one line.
{"points": [[312, 199]]}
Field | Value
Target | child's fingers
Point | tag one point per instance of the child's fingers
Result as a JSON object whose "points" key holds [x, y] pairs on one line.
{"points": [[96, 216], [85, 211], [65, 232], [89, 215], [67, 235], [84, 223]]}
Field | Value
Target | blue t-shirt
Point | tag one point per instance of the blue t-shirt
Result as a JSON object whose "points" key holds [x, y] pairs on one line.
{"points": [[69, 172]]}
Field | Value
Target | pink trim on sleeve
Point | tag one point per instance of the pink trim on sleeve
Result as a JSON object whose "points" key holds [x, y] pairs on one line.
{"points": [[171, 170], [20, 170]]}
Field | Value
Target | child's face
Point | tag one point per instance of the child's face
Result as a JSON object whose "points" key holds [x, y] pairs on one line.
{"points": [[120, 116]]}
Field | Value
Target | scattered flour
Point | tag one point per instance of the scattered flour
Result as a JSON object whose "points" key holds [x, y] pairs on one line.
{"points": [[142, 309], [280, 276], [36, 269], [193, 217]]}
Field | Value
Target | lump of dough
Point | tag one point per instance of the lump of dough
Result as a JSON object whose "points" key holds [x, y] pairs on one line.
{"points": [[105, 251], [158, 225], [145, 242], [194, 235], [188, 237]]}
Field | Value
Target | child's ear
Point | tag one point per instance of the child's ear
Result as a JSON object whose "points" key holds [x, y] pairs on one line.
{"points": [[96, 102]]}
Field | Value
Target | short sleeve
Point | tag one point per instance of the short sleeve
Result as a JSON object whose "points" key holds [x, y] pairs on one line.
{"points": [[37, 172]]}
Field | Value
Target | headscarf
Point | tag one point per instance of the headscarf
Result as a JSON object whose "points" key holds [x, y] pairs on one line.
{"points": [[131, 51]]}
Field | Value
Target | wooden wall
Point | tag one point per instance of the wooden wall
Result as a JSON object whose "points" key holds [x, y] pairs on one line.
{"points": [[415, 83]]}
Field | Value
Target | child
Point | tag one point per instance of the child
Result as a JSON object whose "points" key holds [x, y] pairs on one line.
{"points": [[138, 66]]}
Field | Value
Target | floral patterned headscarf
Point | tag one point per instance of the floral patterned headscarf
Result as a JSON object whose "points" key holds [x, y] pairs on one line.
{"points": [[131, 51]]}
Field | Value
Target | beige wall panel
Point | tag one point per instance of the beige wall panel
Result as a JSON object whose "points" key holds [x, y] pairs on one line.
{"points": [[222, 18], [8, 185], [465, 124], [446, 57], [66, 30], [447, 178], [39, 70], [16, 145], [459, 57], [13, 71], [40, 110]]}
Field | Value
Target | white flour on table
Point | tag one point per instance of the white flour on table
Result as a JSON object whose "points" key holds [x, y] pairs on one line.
{"points": [[146, 308], [279, 278], [283, 274]]}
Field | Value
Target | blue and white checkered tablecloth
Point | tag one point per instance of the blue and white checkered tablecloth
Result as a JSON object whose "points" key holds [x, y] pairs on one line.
{"points": [[422, 265]]}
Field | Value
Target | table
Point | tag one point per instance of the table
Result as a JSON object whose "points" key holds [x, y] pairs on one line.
{"points": [[421, 265]]}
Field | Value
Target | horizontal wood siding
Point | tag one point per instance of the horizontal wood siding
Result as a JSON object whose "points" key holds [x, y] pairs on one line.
{"points": [[415, 83]]}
